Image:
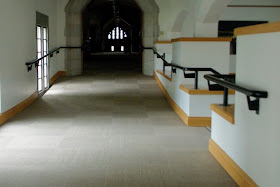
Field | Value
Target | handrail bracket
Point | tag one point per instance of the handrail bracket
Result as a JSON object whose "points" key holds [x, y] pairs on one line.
{"points": [[29, 68], [189, 75], [254, 104], [224, 81]]}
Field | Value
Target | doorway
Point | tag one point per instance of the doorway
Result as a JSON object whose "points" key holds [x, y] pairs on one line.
{"points": [[75, 20], [112, 34], [42, 38]]}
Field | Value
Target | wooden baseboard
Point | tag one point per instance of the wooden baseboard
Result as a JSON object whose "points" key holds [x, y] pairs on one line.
{"points": [[18, 108], [21, 106], [219, 39], [163, 42], [58, 74], [240, 177], [189, 121], [199, 121]]}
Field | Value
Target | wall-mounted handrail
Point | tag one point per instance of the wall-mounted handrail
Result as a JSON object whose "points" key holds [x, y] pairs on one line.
{"points": [[36, 62], [185, 70], [253, 104]]}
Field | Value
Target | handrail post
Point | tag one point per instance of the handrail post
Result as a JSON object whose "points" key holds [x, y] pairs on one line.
{"points": [[163, 56], [196, 80], [225, 97]]}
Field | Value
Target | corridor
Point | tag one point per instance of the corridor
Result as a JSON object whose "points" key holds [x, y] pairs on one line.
{"points": [[106, 128]]}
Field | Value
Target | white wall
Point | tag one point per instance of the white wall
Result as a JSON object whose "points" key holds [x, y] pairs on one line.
{"points": [[254, 141], [18, 46], [202, 55], [61, 4], [208, 16], [250, 14], [176, 18], [181, 18]]}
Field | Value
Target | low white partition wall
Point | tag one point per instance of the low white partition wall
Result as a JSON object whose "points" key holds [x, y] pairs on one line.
{"points": [[163, 47], [190, 104], [249, 148], [201, 53]]}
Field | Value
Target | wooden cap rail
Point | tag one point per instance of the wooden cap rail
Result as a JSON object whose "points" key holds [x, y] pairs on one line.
{"points": [[163, 42], [191, 91], [221, 39], [226, 112], [258, 29], [164, 75]]}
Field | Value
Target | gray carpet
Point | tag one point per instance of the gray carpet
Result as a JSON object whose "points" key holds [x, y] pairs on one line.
{"points": [[106, 128]]}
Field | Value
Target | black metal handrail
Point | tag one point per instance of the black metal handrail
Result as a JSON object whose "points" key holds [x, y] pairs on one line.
{"points": [[185, 70], [36, 62], [253, 104]]}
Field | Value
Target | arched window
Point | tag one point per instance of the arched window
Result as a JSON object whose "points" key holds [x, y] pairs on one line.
{"points": [[114, 33], [117, 33], [121, 34]]}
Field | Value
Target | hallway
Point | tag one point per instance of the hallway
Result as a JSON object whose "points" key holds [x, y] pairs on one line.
{"points": [[106, 128]]}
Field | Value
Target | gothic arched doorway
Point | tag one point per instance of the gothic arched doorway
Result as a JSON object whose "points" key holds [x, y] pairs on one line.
{"points": [[74, 36], [112, 31]]}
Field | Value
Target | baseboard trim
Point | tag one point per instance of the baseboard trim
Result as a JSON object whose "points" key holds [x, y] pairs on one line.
{"points": [[57, 75], [4, 117], [189, 121], [18, 108], [240, 177]]}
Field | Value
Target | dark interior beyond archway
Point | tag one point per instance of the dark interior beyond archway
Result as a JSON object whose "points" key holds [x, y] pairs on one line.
{"points": [[112, 33]]}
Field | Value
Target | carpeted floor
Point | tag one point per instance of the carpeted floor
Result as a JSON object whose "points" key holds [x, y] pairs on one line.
{"points": [[106, 128]]}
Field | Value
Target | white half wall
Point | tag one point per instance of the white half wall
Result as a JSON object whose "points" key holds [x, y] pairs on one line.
{"points": [[201, 55], [163, 48], [254, 141], [192, 105], [200, 104]]}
